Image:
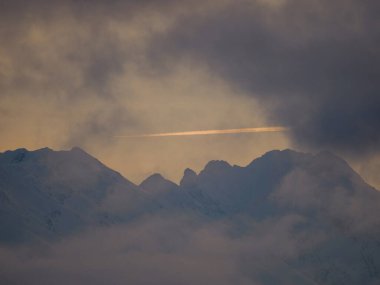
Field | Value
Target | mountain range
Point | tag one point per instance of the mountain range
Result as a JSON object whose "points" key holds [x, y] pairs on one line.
{"points": [[324, 213]]}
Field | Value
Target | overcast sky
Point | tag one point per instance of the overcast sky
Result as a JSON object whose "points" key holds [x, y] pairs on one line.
{"points": [[81, 73]]}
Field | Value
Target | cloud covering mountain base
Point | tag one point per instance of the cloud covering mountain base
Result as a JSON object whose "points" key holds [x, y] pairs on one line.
{"points": [[286, 218]]}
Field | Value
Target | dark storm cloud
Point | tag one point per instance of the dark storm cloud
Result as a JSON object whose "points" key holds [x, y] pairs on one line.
{"points": [[314, 64]]}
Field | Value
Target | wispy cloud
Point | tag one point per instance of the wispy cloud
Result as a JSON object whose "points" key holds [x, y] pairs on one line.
{"points": [[210, 132]]}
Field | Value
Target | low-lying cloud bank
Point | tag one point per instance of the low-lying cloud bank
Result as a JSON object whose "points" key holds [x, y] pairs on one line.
{"points": [[323, 233], [163, 251]]}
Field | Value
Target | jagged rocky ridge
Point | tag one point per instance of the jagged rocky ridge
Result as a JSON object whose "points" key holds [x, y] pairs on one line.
{"points": [[46, 195]]}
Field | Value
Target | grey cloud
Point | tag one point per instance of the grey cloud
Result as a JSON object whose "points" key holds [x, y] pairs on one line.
{"points": [[157, 250], [342, 207], [99, 126], [314, 65], [66, 53]]}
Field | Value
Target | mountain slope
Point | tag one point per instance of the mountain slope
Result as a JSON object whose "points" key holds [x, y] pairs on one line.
{"points": [[335, 213], [284, 177], [47, 193], [301, 218]]}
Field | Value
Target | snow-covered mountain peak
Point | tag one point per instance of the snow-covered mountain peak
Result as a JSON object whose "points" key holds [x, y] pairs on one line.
{"points": [[77, 148], [13, 156], [40, 155], [189, 178], [53, 192], [157, 183], [328, 158], [23, 155], [277, 157], [216, 167], [79, 152]]}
